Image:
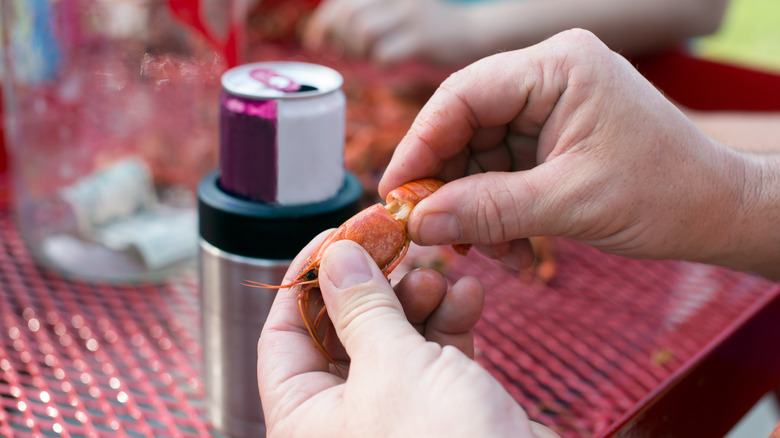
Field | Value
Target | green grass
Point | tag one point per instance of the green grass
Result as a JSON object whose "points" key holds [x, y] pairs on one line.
{"points": [[749, 36]]}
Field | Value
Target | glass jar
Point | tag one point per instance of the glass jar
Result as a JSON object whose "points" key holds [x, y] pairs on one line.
{"points": [[110, 111]]}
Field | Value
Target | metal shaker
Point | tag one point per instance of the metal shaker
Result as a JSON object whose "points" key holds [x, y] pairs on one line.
{"points": [[281, 181]]}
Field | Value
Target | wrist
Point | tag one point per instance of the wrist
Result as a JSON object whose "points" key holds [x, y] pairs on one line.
{"points": [[753, 230]]}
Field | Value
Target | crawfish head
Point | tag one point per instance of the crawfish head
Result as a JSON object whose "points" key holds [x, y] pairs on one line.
{"points": [[380, 230]]}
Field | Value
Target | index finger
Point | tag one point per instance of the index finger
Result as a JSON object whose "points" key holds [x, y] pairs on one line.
{"points": [[451, 117], [285, 349], [518, 89]]}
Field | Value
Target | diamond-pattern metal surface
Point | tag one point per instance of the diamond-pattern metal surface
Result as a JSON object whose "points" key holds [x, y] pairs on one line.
{"points": [[579, 353], [82, 360]]}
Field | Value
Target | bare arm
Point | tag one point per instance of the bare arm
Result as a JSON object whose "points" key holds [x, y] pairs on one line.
{"points": [[755, 246], [628, 27], [757, 136], [390, 31]]}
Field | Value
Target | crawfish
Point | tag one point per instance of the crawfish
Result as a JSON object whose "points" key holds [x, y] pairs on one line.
{"points": [[379, 229]]}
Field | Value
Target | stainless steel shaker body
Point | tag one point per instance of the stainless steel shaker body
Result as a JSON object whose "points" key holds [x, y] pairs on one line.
{"points": [[233, 317]]}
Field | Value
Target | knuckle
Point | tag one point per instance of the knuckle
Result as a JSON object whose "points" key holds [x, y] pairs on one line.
{"points": [[495, 219], [579, 36], [581, 45], [362, 306]]}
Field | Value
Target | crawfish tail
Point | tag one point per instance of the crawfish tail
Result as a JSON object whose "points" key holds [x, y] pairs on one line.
{"points": [[414, 191]]}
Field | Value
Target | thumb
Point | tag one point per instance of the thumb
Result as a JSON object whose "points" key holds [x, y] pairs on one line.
{"points": [[483, 209], [361, 304], [542, 431]]}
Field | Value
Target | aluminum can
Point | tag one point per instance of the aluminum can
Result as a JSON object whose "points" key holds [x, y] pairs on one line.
{"points": [[281, 181], [282, 132]]}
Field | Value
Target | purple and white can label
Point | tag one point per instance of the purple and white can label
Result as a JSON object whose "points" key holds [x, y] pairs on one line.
{"points": [[282, 128]]}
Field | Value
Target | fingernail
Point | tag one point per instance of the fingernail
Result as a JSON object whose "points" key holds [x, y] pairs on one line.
{"points": [[439, 228], [347, 266]]}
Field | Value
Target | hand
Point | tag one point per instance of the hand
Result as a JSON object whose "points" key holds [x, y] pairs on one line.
{"points": [[565, 138], [400, 383], [391, 31]]}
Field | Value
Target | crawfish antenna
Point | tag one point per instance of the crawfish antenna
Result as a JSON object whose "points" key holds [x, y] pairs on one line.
{"points": [[250, 283]]}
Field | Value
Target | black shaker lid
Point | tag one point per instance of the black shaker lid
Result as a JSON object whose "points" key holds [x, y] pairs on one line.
{"points": [[269, 231]]}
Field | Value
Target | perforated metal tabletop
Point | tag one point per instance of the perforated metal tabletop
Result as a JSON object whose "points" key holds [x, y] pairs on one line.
{"points": [[586, 354]]}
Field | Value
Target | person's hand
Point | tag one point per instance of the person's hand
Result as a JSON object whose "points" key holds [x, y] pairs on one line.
{"points": [[565, 138], [409, 367], [390, 31], [455, 33]]}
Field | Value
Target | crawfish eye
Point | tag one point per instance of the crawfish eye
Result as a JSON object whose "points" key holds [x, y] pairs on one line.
{"points": [[310, 276]]}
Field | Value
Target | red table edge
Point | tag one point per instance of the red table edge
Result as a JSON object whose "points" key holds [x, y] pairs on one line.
{"points": [[708, 85], [710, 393], [744, 370]]}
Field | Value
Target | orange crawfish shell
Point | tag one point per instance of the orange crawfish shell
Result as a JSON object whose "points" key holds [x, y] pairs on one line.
{"points": [[414, 191], [378, 232]]}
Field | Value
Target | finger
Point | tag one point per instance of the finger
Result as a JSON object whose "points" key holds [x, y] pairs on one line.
{"points": [[366, 314], [494, 149], [345, 19], [490, 209], [333, 20], [454, 319], [541, 431], [371, 25], [523, 151], [319, 24], [397, 45], [285, 349], [517, 254], [488, 151], [528, 83], [420, 293]]}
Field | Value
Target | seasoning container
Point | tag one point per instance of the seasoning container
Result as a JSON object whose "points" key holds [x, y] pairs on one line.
{"points": [[281, 181]]}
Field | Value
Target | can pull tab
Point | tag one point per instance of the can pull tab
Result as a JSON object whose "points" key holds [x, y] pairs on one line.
{"points": [[274, 80]]}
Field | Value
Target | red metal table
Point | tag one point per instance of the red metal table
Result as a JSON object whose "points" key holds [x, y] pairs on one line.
{"points": [[612, 347]]}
